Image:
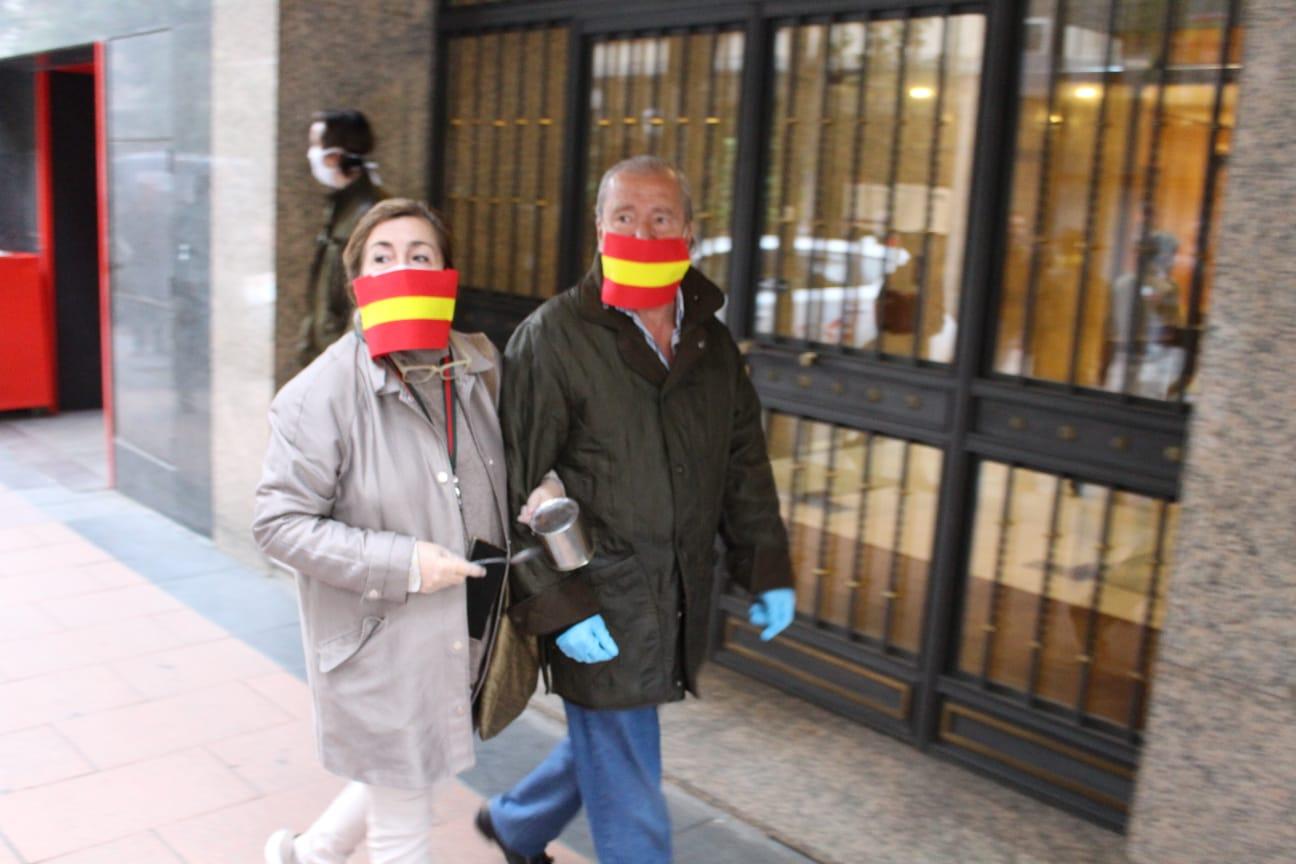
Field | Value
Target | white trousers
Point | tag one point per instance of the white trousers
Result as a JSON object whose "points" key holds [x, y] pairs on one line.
{"points": [[397, 823]]}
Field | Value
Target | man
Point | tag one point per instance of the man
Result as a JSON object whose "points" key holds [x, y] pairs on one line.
{"points": [[338, 143], [627, 394]]}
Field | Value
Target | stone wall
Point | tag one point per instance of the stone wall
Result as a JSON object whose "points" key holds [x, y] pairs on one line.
{"points": [[376, 57], [1218, 779]]}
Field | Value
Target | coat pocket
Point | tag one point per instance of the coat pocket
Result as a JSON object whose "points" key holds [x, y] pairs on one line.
{"points": [[339, 649]]}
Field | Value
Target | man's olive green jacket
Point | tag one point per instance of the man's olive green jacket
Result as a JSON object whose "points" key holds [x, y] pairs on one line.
{"points": [[660, 461]]}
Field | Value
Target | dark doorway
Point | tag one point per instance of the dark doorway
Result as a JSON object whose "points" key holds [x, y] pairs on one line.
{"points": [[76, 244]]}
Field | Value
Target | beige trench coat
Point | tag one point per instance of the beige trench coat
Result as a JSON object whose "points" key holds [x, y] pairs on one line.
{"points": [[353, 476]]}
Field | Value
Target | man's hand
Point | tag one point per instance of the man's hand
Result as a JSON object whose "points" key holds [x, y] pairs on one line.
{"points": [[441, 568], [550, 487], [773, 610], [589, 641]]}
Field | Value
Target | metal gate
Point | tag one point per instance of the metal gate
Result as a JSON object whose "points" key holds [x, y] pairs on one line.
{"points": [[966, 249]]}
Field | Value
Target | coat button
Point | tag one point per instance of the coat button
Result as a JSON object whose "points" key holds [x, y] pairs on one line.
{"points": [[679, 683], [442, 476], [373, 593], [457, 646], [459, 710], [679, 469]]}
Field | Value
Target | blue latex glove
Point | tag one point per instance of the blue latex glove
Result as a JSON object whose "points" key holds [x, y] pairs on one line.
{"points": [[773, 610], [589, 641]]}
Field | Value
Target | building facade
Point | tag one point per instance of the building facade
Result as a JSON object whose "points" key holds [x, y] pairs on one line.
{"points": [[973, 252]]}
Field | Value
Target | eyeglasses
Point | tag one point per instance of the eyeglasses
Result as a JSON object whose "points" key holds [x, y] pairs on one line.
{"points": [[452, 371]]}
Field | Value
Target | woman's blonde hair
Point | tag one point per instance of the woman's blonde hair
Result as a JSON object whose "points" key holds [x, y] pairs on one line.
{"points": [[385, 211]]}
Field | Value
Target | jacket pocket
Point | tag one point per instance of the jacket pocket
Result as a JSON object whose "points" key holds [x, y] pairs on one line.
{"points": [[339, 649]]}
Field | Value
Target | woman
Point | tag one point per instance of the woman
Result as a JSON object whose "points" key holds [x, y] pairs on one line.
{"points": [[385, 460]]}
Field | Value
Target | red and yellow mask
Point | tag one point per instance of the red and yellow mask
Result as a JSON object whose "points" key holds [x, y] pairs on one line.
{"points": [[641, 273], [406, 309]]}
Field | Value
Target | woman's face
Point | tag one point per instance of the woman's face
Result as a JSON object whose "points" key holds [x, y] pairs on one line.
{"points": [[407, 241]]}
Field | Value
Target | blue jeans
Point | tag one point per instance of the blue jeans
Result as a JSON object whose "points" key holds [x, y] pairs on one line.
{"points": [[610, 762]]}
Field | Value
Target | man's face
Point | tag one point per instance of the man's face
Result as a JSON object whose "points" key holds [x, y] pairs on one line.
{"points": [[647, 206]]}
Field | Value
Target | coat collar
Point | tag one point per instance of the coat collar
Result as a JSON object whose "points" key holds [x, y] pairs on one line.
{"points": [[702, 299], [385, 382]]}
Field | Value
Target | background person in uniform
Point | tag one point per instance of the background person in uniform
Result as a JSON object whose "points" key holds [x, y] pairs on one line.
{"points": [[339, 141], [634, 394], [365, 497]]}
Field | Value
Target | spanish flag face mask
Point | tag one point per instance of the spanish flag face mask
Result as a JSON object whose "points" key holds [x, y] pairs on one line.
{"points": [[406, 309], [641, 273]]}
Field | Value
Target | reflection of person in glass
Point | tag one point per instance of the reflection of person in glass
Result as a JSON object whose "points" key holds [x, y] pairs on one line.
{"points": [[1143, 334], [339, 143]]}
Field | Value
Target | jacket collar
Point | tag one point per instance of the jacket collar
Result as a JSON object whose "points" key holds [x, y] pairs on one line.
{"points": [[384, 381], [702, 299]]}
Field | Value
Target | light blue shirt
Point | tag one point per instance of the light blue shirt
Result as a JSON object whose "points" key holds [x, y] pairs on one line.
{"points": [[652, 343]]}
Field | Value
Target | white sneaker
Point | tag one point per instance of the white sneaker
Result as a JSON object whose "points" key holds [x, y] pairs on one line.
{"points": [[279, 848]]}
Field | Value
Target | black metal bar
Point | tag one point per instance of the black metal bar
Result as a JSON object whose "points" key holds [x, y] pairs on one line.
{"points": [[1143, 654], [822, 570], [1044, 603], [598, 16], [709, 122], [498, 124], [933, 176], [1134, 322], [438, 127], [654, 99], [1088, 660], [859, 575], [1128, 163], [681, 101], [1039, 233], [515, 199], [627, 93], [540, 205], [1091, 203], [851, 301], [893, 572], [996, 583], [574, 215], [893, 178], [601, 127], [1191, 341], [473, 236], [797, 482], [785, 171], [754, 124], [814, 310]]}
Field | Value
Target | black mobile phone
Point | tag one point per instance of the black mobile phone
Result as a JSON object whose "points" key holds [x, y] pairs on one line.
{"points": [[485, 592]]}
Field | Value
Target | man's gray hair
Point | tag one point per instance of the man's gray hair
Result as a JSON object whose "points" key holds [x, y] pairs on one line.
{"points": [[645, 164]]}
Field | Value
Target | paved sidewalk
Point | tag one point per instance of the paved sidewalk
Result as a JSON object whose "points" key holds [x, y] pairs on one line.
{"points": [[152, 697]]}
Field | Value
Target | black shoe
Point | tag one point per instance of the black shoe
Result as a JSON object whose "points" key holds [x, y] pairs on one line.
{"points": [[487, 829]]}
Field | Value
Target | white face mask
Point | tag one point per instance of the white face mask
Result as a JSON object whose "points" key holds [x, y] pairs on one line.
{"points": [[326, 175]]}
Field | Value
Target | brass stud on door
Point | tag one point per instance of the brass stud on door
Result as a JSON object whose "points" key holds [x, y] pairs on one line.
{"points": [[1066, 432]]}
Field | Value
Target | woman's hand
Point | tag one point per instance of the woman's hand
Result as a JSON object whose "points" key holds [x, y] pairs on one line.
{"points": [[550, 487], [441, 568]]}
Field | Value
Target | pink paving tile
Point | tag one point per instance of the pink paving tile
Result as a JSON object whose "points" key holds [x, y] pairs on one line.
{"points": [[274, 759], [42, 559], [62, 696], [13, 538], [150, 729], [145, 848], [115, 604], [288, 692], [190, 627], [191, 667], [117, 803], [24, 621], [65, 582], [36, 756], [15, 511], [87, 646], [237, 834]]}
